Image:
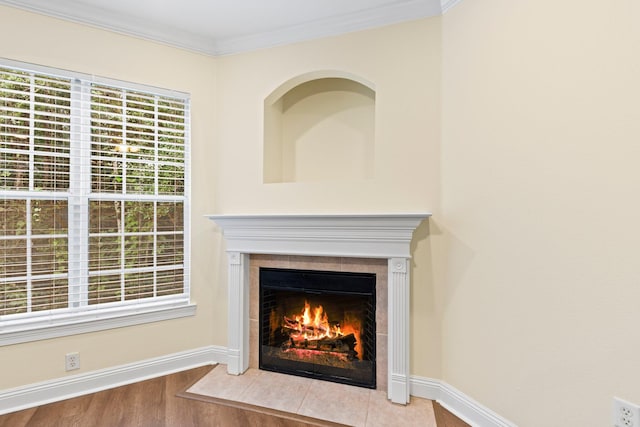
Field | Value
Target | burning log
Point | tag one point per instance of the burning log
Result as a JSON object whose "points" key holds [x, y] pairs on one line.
{"points": [[295, 325], [343, 344], [315, 333]]}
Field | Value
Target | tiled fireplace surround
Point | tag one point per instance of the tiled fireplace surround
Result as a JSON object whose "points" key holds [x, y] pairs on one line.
{"points": [[377, 243], [355, 265]]}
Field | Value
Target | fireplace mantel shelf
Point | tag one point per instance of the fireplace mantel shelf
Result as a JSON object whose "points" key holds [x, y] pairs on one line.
{"points": [[343, 235], [350, 235]]}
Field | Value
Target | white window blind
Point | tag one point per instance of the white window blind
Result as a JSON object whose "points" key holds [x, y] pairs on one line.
{"points": [[93, 194]]}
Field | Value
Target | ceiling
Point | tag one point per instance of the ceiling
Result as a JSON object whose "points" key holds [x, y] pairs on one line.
{"points": [[221, 27]]}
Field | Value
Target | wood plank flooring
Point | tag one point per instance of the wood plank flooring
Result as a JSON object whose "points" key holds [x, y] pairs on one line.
{"points": [[155, 403], [445, 418]]}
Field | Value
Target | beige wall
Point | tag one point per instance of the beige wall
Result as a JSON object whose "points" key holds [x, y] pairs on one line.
{"points": [[46, 41], [540, 207], [402, 62], [516, 123], [328, 131]]}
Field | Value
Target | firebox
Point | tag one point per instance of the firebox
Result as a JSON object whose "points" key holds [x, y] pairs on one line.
{"points": [[318, 324]]}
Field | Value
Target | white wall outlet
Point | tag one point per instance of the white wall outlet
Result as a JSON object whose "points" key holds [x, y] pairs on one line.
{"points": [[72, 361], [625, 414]]}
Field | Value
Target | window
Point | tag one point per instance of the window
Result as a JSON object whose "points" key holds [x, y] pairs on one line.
{"points": [[93, 203]]}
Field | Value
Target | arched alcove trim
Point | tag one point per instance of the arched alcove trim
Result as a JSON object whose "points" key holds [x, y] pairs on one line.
{"points": [[285, 87]]}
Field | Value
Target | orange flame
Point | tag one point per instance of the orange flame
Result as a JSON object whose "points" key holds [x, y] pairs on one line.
{"points": [[315, 326]]}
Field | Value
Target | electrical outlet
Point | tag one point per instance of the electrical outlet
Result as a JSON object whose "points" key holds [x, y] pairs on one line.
{"points": [[72, 361], [625, 414]]}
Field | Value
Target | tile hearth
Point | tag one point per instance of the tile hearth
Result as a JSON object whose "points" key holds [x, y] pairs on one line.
{"points": [[338, 403]]}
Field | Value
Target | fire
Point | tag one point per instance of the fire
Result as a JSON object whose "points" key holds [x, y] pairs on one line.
{"points": [[312, 330], [314, 326]]}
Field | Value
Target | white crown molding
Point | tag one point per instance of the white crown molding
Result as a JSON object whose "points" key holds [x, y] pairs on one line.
{"points": [[326, 27], [372, 18], [69, 10], [37, 394], [446, 5]]}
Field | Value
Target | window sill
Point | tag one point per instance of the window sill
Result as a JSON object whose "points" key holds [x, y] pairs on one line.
{"points": [[54, 326]]}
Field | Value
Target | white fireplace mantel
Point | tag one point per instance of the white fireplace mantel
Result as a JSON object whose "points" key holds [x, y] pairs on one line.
{"points": [[342, 235]]}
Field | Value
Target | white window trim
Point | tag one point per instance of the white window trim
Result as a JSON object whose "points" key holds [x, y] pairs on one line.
{"points": [[68, 322], [65, 324]]}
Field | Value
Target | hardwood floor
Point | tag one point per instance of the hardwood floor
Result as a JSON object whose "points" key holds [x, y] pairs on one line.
{"points": [[445, 418], [155, 403]]}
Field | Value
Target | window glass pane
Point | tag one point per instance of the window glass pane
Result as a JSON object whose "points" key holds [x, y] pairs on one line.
{"points": [[138, 217], [140, 178], [143, 132], [138, 285], [48, 216], [49, 256], [51, 173], [141, 122], [171, 180], [170, 216], [170, 249], [138, 251], [103, 289], [52, 136], [104, 216], [14, 171], [106, 111], [13, 217], [170, 282], [104, 253], [34, 113], [15, 95], [106, 176], [107, 134], [13, 298], [13, 257], [52, 116], [169, 151], [49, 294]]}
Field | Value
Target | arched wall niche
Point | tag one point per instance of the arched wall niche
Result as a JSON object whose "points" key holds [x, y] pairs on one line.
{"points": [[320, 126]]}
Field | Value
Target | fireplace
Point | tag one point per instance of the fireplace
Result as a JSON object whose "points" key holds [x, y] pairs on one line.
{"points": [[351, 236], [318, 324]]}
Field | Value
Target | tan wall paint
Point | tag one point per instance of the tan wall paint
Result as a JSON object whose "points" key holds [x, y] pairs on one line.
{"points": [[46, 41], [328, 131], [540, 184], [403, 61], [403, 64], [531, 256]]}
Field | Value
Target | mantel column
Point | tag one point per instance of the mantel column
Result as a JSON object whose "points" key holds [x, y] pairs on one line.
{"points": [[399, 330], [238, 328]]}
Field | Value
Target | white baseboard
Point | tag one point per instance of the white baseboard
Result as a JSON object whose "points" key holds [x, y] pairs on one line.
{"points": [[459, 404], [76, 385], [425, 388], [67, 387]]}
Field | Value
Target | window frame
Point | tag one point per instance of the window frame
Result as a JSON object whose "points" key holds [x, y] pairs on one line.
{"points": [[46, 324]]}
